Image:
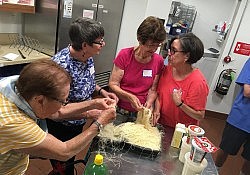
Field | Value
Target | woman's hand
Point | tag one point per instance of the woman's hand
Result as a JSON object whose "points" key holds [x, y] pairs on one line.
{"points": [[93, 114], [156, 116], [177, 93], [109, 95], [104, 103], [135, 102], [156, 112], [107, 116], [147, 105]]}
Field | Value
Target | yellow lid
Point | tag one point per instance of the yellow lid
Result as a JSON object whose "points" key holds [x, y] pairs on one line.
{"points": [[98, 159]]}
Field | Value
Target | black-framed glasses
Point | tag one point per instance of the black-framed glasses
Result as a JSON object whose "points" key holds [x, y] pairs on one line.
{"points": [[64, 103], [101, 42], [172, 51]]}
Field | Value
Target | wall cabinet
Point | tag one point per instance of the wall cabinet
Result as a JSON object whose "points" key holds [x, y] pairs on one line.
{"points": [[18, 7]]}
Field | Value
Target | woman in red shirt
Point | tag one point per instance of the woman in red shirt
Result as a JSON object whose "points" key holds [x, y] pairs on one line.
{"points": [[137, 69], [182, 89]]}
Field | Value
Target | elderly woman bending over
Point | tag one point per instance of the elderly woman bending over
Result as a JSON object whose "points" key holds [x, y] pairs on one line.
{"points": [[41, 90]]}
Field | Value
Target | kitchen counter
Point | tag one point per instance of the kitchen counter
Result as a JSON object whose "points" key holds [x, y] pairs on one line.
{"points": [[34, 55], [124, 162]]}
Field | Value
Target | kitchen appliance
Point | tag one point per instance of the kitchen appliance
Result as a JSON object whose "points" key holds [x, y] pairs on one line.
{"points": [[50, 24]]}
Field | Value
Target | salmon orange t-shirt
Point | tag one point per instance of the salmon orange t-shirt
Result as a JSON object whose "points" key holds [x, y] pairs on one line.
{"points": [[194, 94]]}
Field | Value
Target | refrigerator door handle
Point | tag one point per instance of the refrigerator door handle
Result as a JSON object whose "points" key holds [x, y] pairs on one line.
{"points": [[101, 6], [94, 5]]}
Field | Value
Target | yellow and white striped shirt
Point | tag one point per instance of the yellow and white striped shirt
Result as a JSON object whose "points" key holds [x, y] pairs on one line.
{"points": [[17, 131]]}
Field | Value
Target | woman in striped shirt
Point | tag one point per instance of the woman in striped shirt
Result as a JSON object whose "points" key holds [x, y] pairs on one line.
{"points": [[25, 101]]}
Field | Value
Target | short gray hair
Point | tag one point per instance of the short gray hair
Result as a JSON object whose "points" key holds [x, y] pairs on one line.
{"points": [[84, 30]]}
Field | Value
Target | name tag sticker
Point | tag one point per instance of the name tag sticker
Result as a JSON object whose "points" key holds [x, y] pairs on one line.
{"points": [[92, 70], [147, 73]]}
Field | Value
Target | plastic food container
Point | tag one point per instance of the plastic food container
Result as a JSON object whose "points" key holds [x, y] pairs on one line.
{"points": [[201, 146], [193, 131], [185, 147], [197, 154], [191, 168]]}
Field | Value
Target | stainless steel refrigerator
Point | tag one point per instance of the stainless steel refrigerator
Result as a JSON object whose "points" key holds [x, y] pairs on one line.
{"points": [[49, 25]]}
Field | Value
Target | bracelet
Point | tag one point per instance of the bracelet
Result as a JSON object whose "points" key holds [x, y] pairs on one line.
{"points": [[99, 92], [99, 125], [180, 104]]}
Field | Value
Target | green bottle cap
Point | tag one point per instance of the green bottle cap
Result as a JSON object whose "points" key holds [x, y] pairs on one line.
{"points": [[98, 159]]}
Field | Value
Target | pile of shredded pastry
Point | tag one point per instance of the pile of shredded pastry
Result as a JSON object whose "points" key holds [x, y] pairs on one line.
{"points": [[140, 133]]}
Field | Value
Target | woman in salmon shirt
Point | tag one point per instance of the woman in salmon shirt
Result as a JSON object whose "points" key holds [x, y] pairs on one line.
{"points": [[182, 88]]}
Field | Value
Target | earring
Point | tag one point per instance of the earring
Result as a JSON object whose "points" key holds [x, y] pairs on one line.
{"points": [[83, 54]]}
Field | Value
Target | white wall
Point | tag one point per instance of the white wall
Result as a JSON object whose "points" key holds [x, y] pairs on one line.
{"points": [[131, 19], [238, 33], [10, 22], [209, 13], [135, 11], [159, 8]]}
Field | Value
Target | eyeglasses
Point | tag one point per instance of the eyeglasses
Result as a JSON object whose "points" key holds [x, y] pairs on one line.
{"points": [[64, 103], [172, 51], [153, 45], [101, 42]]}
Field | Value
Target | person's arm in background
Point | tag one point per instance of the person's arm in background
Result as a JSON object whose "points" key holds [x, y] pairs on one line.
{"points": [[105, 93], [114, 84]]}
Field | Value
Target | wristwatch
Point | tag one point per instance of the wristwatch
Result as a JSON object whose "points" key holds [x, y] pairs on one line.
{"points": [[99, 125]]}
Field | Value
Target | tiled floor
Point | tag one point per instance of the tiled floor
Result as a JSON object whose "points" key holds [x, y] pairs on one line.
{"points": [[213, 124]]}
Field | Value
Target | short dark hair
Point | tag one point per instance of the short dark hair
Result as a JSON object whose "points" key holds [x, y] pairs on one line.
{"points": [[84, 30], [42, 77], [152, 29], [191, 44]]}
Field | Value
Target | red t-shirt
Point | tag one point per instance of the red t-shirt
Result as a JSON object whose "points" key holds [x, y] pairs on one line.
{"points": [[194, 94], [138, 77]]}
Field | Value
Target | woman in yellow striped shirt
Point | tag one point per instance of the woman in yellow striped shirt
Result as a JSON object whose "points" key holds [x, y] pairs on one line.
{"points": [[25, 101]]}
